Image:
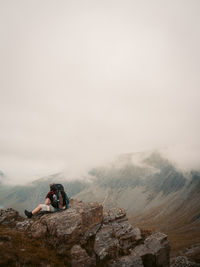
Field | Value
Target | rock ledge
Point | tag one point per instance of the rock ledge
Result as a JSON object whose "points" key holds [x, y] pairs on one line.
{"points": [[85, 235]]}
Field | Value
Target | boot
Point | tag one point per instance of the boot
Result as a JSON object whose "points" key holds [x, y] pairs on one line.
{"points": [[28, 213]]}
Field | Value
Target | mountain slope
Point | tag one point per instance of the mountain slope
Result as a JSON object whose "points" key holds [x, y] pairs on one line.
{"points": [[148, 186], [151, 182], [155, 195]]}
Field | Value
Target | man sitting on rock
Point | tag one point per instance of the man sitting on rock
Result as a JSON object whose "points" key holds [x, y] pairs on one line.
{"points": [[56, 200]]}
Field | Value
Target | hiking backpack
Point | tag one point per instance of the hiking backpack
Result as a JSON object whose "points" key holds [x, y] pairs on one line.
{"points": [[58, 196]]}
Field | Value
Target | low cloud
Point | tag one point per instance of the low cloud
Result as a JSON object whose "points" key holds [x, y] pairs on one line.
{"points": [[84, 82]]}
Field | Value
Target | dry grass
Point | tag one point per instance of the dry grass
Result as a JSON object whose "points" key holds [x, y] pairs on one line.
{"points": [[16, 248], [183, 232]]}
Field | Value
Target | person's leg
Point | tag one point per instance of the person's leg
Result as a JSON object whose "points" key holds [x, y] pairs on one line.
{"points": [[29, 214], [42, 207], [37, 209]]}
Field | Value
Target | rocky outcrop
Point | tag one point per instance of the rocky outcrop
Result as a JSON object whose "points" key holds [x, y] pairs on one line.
{"points": [[85, 235], [153, 252], [64, 229], [183, 262]]}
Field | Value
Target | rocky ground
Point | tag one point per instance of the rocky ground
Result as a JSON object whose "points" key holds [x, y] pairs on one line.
{"points": [[83, 235]]}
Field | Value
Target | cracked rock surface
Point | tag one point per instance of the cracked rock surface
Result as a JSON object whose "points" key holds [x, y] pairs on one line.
{"points": [[87, 235]]}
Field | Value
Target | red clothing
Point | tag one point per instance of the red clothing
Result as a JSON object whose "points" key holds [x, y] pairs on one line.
{"points": [[50, 195], [60, 202]]}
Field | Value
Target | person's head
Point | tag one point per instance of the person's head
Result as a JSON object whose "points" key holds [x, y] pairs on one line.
{"points": [[51, 186]]}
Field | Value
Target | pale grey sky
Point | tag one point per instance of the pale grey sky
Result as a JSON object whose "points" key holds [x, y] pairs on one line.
{"points": [[83, 81]]}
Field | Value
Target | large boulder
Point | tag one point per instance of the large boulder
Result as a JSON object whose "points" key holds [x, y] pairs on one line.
{"points": [[79, 257], [155, 251], [116, 236], [64, 229], [9, 216]]}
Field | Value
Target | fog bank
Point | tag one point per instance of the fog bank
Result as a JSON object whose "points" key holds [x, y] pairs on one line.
{"points": [[84, 81]]}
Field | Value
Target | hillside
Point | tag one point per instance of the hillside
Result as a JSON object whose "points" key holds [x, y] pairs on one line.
{"points": [[152, 190], [83, 235], [179, 217], [155, 195], [136, 182]]}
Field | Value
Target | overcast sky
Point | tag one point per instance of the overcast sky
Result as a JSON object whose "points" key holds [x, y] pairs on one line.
{"points": [[83, 81]]}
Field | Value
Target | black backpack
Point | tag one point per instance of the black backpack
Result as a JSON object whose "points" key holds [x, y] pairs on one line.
{"points": [[59, 194]]}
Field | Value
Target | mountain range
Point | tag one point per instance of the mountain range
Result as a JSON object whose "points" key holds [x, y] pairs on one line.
{"points": [[153, 191]]}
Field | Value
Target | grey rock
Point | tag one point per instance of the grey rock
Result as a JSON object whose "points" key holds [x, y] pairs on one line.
{"points": [[106, 245], [68, 227], [113, 214], [126, 261], [137, 234], [9, 216], [182, 261], [80, 258], [155, 251], [127, 235], [23, 225], [116, 236]]}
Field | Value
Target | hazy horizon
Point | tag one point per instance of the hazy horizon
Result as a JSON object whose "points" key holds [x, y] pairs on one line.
{"points": [[84, 81]]}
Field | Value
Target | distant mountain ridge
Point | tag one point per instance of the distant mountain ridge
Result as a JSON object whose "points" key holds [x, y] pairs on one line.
{"points": [[155, 194], [2, 176], [151, 179], [153, 191], [30, 195], [133, 181]]}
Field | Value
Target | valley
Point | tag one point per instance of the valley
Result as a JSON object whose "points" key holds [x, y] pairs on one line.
{"points": [[154, 192]]}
